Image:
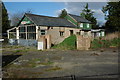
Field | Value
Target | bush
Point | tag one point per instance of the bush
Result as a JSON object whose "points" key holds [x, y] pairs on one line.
{"points": [[98, 43], [115, 42]]}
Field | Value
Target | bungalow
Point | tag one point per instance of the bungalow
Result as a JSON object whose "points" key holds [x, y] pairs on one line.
{"points": [[32, 26]]}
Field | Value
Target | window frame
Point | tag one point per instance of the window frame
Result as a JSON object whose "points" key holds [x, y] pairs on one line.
{"points": [[61, 33], [88, 25], [81, 25], [41, 33]]}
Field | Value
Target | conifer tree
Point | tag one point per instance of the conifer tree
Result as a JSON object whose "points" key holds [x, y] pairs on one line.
{"points": [[88, 14], [112, 13], [5, 21]]}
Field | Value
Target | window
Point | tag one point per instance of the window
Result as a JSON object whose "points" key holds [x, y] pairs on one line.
{"points": [[61, 33], [51, 27], [42, 32], [31, 28], [78, 33], [87, 25], [22, 32], [31, 32], [22, 35], [31, 35], [81, 25], [28, 32]]}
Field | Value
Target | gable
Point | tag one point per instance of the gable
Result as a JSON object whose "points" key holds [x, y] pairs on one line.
{"points": [[69, 18], [25, 20]]}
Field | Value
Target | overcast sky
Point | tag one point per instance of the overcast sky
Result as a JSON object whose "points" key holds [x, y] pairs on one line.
{"points": [[54, 8]]}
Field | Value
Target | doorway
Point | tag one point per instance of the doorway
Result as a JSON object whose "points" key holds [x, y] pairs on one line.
{"points": [[71, 32], [45, 43]]}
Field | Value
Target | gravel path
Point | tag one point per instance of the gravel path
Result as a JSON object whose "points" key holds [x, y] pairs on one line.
{"points": [[56, 63]]}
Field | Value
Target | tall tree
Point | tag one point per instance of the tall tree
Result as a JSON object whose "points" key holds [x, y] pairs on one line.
{"points": [[88, 14], [16, 17], [112, 13], [5, 21]]}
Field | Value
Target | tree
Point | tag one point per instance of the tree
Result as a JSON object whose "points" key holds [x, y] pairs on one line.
{"points": [[112, 14], [5, 21], [63, 14], [16, 17], [88, 14]]}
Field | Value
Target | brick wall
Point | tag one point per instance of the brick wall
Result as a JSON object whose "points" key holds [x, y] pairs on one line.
{"points": [[83, 43]]}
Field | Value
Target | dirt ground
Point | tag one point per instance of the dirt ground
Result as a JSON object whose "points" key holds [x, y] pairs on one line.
{"points": [[31, 63]]}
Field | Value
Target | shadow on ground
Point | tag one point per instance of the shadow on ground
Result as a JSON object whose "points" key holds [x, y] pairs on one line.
{"points": [[6, 59]]}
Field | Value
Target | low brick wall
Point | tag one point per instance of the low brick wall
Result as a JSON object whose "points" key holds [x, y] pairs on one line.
{"points": [[23, 42], [45, 42], [110, 36], [83, 43]]}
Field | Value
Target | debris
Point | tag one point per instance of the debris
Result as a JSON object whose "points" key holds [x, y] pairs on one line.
{"points": [[102, 50], [114, 51], [95, 54]]}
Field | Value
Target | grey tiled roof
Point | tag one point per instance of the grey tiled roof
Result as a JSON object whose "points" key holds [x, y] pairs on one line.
{"points": [[49, 21], [79, 18]]}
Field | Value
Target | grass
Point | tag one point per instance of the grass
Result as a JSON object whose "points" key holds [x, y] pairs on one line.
{"points": [[33, 63], [98, 43], [53, 69], [68, 44]]}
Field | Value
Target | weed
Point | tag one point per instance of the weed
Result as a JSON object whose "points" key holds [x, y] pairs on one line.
{"points": [[98, 43]]}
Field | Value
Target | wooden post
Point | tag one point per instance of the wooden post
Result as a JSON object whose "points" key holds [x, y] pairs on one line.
{"points": [[17, 32], [36, 32], [8, 34], [26, 31]]}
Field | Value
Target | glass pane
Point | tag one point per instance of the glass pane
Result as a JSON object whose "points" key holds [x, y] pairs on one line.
{"points": [[31, 29], [31, 35], [22, 35], [22, 29]]}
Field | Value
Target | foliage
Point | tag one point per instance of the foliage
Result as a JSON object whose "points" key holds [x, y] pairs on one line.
{"points": [[112, 13], [98, 43], [68, 44], [63, 14], [5, 21], [115, 42], [88, 14]]}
